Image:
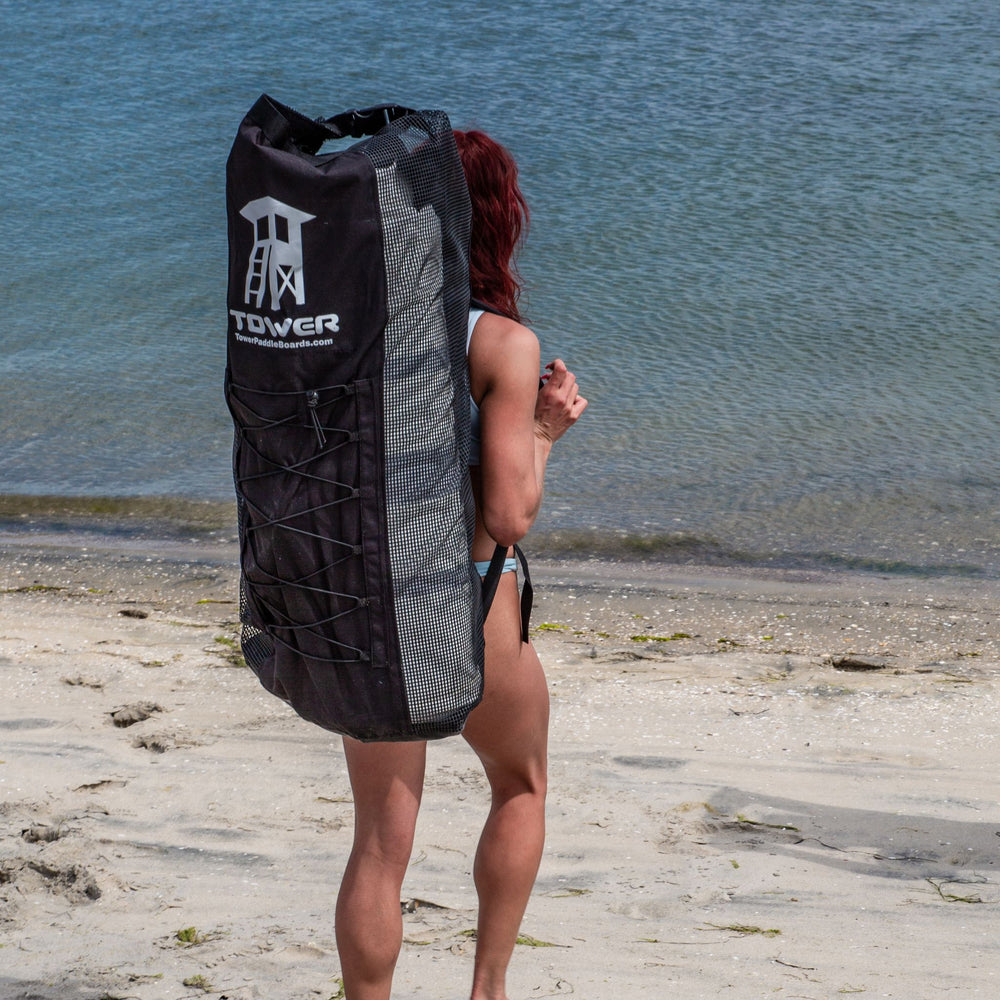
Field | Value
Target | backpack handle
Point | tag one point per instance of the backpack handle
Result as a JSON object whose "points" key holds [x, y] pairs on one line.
{"points": [[286, 128]]}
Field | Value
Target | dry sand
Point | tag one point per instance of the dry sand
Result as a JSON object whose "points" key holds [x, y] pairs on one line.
{"points": [[731, 814]]}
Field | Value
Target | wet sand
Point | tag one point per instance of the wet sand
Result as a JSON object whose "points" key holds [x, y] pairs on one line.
{"points": [[767, 784]]}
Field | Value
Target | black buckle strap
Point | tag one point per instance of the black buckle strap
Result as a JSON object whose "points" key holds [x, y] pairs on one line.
{"points": [[492, 579], [527, 594]]}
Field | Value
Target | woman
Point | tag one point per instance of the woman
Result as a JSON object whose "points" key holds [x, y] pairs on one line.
{"points": [[517, 424]]}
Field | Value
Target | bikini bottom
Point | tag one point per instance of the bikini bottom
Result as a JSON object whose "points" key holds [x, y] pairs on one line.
{"points": [[509, 566]]}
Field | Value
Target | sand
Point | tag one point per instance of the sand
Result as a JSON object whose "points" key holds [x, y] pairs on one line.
{"points": [[777, 784]]}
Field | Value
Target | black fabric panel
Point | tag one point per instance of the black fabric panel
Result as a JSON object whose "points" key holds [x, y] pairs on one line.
{"points": [[305, 361], [342, 271]]}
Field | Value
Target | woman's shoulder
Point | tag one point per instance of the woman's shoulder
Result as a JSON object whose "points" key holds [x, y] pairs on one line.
{"points": [[501, 351], [500, 334]]}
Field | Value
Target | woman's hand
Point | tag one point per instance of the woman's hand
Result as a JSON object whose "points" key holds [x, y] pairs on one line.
{"points": [[559, 402]]}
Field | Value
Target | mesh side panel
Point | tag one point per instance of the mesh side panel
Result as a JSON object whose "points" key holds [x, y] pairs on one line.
{"points": [[430, 516], [257, 646]]}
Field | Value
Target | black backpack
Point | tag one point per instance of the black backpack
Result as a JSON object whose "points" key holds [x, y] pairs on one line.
{"points": [[347, 382]]}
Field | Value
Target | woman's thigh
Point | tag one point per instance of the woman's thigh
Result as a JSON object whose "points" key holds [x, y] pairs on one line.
{"points": [[387, 782], [509, 727]]}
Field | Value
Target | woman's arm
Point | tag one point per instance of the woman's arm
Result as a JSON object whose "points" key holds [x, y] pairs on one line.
{"points": [[519, 422]]}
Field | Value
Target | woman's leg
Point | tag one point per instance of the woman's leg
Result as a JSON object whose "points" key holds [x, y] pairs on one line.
{"points": [[509, 732], [387, 781]]}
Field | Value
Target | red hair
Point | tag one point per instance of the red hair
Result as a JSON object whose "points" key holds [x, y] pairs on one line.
{"points": [[499, 220]]}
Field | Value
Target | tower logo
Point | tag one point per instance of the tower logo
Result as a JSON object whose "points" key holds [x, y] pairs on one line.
{"points": [[276, 258]]}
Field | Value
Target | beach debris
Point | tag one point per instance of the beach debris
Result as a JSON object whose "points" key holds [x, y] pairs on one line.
{"points": [[412, 905], [105, 783], [858, 663], [790, 965], [745, 930], [155, 744], [949, 678], [530, 942], [184, 623], [187, 937], [231, 652], [32, 588], [129, 715], [950, 897], [743, 821], [42, 833], [162, 742], [81, 681], [198, 982], [133, 613], [523, 939], [676, 637]]}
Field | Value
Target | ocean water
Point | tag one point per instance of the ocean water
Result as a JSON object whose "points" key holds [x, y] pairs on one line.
{"points": [[764, 234]]}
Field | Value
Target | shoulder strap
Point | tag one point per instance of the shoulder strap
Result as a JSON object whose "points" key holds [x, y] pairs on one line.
{"points": [[492, 578], [482, 306], [527, 594]]}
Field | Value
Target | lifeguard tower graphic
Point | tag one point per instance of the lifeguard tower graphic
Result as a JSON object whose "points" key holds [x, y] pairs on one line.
{"points": [[276, 258]]}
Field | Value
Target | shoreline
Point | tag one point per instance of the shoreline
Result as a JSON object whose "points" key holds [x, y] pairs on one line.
{"points": [[762, 782], [162, 520]]}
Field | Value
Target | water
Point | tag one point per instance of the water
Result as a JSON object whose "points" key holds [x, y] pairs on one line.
{"points": [[764, 235]]}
